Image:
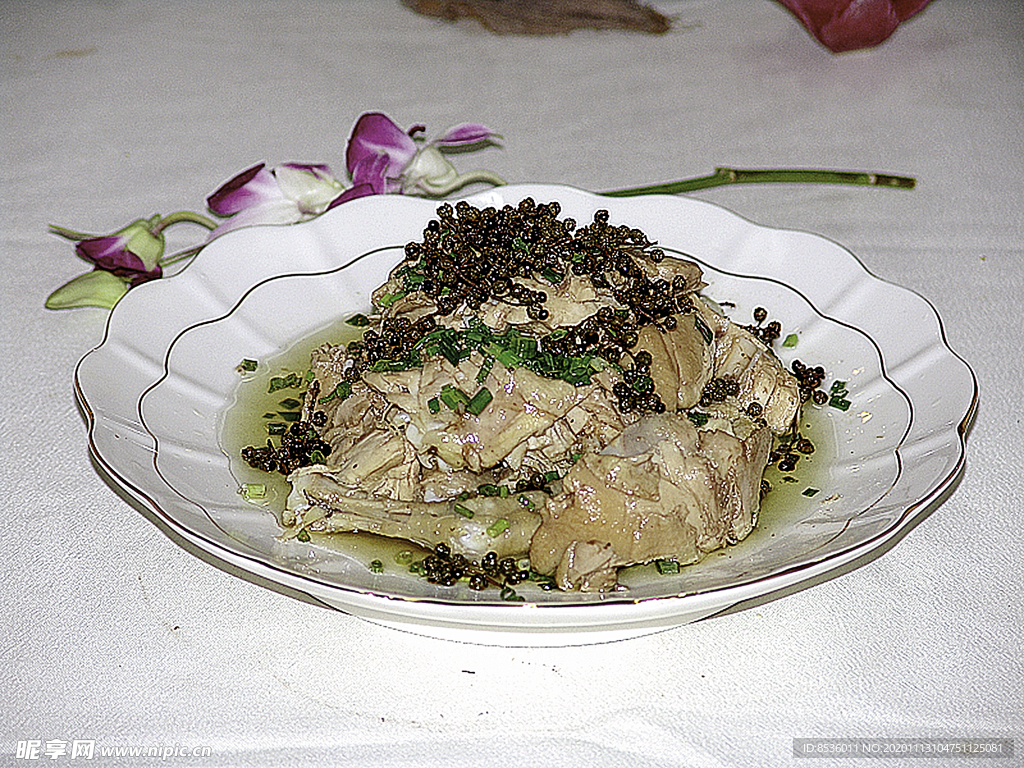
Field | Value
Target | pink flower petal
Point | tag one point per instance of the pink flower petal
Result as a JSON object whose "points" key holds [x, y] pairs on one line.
{"points": [[376, 134], [279, 211], [359, 190], [248, 188], [371, 171], [111, 254], [465, 133]]}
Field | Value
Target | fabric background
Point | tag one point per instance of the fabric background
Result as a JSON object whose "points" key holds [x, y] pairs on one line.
{"points": [[116, 631]]}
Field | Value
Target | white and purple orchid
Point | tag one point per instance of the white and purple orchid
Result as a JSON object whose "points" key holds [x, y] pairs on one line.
{"points": [[287, 194], [129, 257], [382, 158]]}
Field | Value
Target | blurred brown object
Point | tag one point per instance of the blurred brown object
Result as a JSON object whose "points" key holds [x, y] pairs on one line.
{"points": [[546, 17]]}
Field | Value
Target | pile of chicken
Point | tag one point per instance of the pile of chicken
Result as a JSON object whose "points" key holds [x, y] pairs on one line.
{"points": [[630, 487]]}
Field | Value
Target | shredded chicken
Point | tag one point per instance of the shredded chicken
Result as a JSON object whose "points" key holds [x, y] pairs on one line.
{"points": [[662, 490], [628, 488]]}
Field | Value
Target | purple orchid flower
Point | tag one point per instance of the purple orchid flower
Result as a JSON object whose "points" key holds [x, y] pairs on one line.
{"points": [[287, 194], [129, 257], [132, 253], [382, 158]]}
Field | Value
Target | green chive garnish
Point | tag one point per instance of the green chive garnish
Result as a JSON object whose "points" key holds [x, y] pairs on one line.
{"points": [[404, 557], [667, 566], [808, 492], [247, 366], [699, 419], [479, 401], [466, 512], [453, 397], [497, 528], [790, 340], [343, 391], [254, 491]]}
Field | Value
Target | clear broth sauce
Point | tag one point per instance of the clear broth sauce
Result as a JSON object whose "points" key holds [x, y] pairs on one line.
{"points": [[245, 421]]}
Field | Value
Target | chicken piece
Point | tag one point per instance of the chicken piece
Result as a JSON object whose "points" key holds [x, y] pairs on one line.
{"points": [[472, 528], [523, 405], [670, 268], [568, 303], [662, 490], [381, 463], [739, 355], [681, 362]]}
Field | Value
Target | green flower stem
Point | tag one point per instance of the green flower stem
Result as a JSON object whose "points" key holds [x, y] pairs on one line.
{"points": [[188, 253], [723, 176], [180, 216]]}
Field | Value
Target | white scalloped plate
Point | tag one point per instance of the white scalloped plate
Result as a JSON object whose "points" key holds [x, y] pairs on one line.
{"points": [[157, 388]]}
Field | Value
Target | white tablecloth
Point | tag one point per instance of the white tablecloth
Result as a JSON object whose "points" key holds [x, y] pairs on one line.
{"points": [[115, 632]]}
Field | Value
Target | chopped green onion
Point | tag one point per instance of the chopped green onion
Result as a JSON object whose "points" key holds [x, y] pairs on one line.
{"points": [[317, 457], [551, 476], [433, 405], [488, 489], [526, 502], [290, 403], [465, 511], [358, 321], [343, 390], [509, 595], [485, 370], [390, 298], [292, 380], [551, 275], [247, 366], [808, 492], [303, 535], [838, 386], [376, 566], [497, 528], [404, 557], [699, 419], [667, 566], [276, 428], [393, 366], [453, 397], [839, 402], [479, 401], [254, 491], [790, 340], [289, 415]]}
